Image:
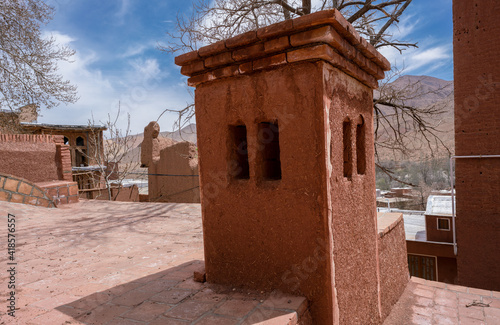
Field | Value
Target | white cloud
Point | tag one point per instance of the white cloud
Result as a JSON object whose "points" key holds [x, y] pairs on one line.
{"points": [[425, 59], [146, 69], [122, 12], [428, 56], [139, 86], [134, 50], [405, 27]]}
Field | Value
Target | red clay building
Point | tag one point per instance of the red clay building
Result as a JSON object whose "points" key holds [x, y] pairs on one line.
{"points": [[477, 132], [285, 137], [430, 241]]}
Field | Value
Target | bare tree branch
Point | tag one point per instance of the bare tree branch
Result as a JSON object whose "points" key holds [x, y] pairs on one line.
{"points": [[28, 61]]}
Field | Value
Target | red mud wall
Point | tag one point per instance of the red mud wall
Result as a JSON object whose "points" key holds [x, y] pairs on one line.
{"points": [[172, 168], [393, 262], [477, 130], [37, 158], [352, 196], [285, 135], [258, 232], [180, 161]]}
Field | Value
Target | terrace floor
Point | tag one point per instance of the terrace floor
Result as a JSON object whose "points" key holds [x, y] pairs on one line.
{"points": [[100, 262]]}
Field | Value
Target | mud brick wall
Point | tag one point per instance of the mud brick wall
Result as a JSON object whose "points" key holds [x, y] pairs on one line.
{"points": [[477, 132], [18, 190], [393, 263], [37, 158], [172, 168], [61, 192], [285, 136]]}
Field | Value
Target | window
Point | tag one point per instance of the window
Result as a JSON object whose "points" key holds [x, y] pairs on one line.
{"points": [[443, 224], [80, 141], [238, 164], [346, 131], [269, 146], [360, 147], [423, 266], [66, 140]]}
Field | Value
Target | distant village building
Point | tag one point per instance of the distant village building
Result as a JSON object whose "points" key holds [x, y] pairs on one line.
{"points": [[429, 241], [85, 141], [86, 148], [10, 120], [84, 144], [398, 198]]}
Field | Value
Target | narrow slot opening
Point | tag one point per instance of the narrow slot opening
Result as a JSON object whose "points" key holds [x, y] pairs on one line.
{"points": [[268, 137], [238, 164], [346, 130], [360, 148]]}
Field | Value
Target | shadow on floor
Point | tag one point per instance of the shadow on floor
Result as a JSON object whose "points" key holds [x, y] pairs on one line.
{"points": [[173, 297]]}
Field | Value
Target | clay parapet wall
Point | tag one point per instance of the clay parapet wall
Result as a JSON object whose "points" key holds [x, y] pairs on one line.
{"points": [[35, 157], [172, 168], [324, 35], [393, 260]]}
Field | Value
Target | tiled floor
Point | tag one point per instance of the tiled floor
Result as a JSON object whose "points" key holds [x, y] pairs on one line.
{"points": [[428, 302], [98, 262]]}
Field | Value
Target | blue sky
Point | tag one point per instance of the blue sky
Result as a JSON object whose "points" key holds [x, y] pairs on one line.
{"points": [[117, 59]]}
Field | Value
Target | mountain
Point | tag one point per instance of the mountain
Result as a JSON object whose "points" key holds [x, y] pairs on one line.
{"points": [[417, 91], [427, 94], [133, 155], [187, 133], [428, 90]]}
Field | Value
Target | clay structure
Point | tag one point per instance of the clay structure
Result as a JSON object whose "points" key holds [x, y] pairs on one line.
{"points": [[33, 162], [477, 130], [172, 167], [85, 141], [284, 121]]}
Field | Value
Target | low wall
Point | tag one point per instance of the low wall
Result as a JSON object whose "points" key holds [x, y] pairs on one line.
{"points": [[35, 157], [61, 192], [174, 177], [122, 194], [172, 168], [393, 260], [18, 190]]}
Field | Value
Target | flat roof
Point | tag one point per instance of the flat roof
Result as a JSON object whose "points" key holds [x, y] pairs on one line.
{"points": [[62, 126], [439, 205], [415, 226]]}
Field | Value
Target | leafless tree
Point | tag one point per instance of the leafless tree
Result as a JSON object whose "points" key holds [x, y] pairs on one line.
{"points": [[396, 122], [112, 159], [212, 21], [28, 61], [402, 129]]}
